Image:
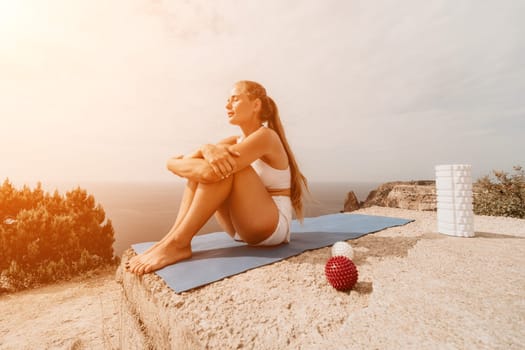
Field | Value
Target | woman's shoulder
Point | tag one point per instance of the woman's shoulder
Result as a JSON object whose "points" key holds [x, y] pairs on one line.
{"points": [[230, 140], [262, 136], [268, 133]]}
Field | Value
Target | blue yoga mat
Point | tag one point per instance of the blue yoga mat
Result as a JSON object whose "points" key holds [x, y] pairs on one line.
{"points": [[217, 255]]}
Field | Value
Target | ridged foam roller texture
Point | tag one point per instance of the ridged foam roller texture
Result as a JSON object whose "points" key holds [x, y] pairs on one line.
{"points": [[454, 200]]}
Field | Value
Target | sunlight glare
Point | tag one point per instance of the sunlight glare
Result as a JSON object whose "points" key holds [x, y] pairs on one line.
{"points": [[10, 13]]}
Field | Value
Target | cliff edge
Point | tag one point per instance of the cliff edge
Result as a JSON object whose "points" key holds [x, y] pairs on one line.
{"points": [[406, 275], [413, 195]]}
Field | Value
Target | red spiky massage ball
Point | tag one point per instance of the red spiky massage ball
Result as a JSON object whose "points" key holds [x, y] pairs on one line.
{"points": [[341, 272]]}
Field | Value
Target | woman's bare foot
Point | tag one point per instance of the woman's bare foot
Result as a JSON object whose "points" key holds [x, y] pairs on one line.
{"points": [[163, 255], [134, 259]]}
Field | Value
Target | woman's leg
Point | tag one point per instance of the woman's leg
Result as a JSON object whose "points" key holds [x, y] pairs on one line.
{"points": [[185, 203], [222, 215], [176, 245], [187, 198], [253, 212]]}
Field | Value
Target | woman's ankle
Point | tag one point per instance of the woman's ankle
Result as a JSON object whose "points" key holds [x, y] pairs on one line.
{"points": [[178, 243]]}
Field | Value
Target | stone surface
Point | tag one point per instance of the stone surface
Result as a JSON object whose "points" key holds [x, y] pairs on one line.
{"points": [[351, 202], [154, 307], [263, 308], [414, 195], [416, 289]]}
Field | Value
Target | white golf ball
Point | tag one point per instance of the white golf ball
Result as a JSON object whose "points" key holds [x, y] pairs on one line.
{"points": [[344, 249]]}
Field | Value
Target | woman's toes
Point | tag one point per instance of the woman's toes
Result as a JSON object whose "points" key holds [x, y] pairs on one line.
{"points": [[142, 268], [134, 267], [148, 269]]}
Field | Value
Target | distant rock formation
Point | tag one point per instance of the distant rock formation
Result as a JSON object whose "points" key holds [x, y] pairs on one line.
{"points": [[415, 195], [351, 202]]}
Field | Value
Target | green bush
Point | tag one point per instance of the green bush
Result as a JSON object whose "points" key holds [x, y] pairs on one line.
{"points": [[503, 195], [46, 238]]}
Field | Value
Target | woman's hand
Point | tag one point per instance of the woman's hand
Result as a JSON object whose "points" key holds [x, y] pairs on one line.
{"points": [[195, 169], [221, 158]]}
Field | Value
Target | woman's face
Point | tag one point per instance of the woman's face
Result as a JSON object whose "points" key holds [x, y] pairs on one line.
{"points": [[239, 107]]}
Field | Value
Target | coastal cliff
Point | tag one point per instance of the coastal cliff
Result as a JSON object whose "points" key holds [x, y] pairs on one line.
{"points": [[413, 195], [290, 305]]}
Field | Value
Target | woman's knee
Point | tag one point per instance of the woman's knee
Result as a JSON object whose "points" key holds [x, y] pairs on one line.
{"points": [[244, 171], [223, 184], [191, 184], [247, 177]]}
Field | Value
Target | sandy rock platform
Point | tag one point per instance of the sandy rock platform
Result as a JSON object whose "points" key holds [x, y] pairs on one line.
{"points": [[416, 289]]}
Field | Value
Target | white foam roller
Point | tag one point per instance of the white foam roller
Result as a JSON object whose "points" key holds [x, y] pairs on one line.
{"points": [[458, 214], [447, 216], [449, 186], [455, 206], [454, 220], [465, 213], [461, 200], [464, 173], [450, 193], [463, 187], [446, 231], [457, 233], [467, 233], [464, 227], [458, 200], [458, 173], [455, 226], [442, 185], [453, 180], [463, 230], [459, 194], [446, 226], [454, 199], [450, 216], [453, 167], [440, 173]]}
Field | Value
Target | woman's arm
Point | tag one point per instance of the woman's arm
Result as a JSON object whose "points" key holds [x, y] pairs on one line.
{"points": [[262, 142], [199, 153], [194, 166], [196, 169]]}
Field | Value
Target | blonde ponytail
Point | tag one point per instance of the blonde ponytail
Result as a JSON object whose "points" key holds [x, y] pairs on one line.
{"points": [[270, 114]]}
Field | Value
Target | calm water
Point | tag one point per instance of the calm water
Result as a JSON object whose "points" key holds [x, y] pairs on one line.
{"points": [[145, 212]]}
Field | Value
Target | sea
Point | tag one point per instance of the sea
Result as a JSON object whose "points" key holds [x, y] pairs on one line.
{"points": [[142, 212]]}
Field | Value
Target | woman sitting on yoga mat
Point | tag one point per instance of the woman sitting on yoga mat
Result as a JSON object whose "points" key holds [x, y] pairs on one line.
{"points": [[251, 183]]}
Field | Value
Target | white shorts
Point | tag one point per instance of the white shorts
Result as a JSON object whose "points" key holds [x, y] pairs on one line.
{"points": [[282, 232]]}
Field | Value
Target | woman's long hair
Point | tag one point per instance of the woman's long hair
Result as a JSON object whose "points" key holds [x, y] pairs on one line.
{"points": [[270, 114]]}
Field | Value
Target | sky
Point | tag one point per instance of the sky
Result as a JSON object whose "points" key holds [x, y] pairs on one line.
{"points": [[96, 90]]}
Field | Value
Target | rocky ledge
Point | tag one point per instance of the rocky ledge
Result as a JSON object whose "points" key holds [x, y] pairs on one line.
{"points": [[413, 195], [290, 305], [279, 306]]}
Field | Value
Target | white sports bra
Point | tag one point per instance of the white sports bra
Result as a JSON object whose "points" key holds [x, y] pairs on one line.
{"points": [[273, 179]]}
